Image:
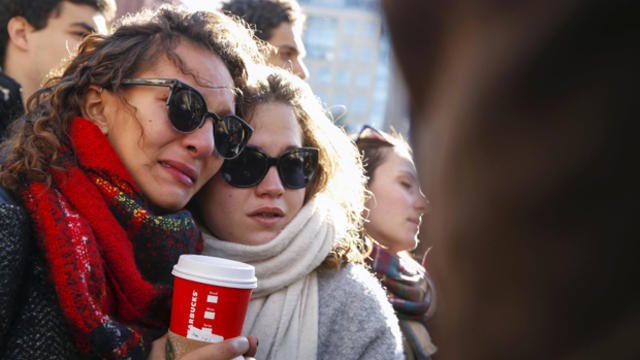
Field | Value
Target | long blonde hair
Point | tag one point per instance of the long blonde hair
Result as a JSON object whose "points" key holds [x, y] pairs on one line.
{"points": [[340, 174]]}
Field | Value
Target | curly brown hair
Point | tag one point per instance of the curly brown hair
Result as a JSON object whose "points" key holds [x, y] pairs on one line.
{"points": [[339, 174], [104, 60]]}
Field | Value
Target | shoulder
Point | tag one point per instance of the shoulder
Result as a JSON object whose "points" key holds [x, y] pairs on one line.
{"points": [[352, 280], [11, 212], [356, 321], [14, 230]]}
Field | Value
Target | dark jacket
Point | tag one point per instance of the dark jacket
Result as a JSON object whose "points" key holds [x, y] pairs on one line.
{"points": [[32, 325], [11, 106]]}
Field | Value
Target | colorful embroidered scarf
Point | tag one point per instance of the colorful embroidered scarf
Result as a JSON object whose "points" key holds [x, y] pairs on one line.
{"points": [[406, 282], [109, 256]]}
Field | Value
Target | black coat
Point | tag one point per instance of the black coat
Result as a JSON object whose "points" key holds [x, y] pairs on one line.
{"points": [[32, 325], [11, 106]]}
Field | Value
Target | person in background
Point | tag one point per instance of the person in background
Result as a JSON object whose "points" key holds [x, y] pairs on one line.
{"points": [[279, 23], [95, 179], [35, 36], [526, 134], [394, 213], [291, 206]]}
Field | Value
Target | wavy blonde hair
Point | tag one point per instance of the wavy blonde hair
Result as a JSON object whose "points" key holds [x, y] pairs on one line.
{"points": [[340, 174]]}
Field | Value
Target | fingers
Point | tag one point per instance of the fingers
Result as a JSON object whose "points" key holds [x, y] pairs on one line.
{"points": [[225, 350], [158, 349], [253, 346]]}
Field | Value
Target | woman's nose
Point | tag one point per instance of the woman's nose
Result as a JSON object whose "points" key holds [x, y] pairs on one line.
{"points": [[200, 143], [271, 184], [421, 202]]}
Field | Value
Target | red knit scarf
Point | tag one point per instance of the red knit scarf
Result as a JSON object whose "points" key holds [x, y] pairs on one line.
{"points": [[109, 256]]}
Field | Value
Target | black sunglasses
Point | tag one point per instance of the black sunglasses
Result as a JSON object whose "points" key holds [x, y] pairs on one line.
{"points": [[296, 167], [370, 133], [188, 111]]}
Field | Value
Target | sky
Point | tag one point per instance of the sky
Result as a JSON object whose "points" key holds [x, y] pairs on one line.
{"points": [[202, 4]]}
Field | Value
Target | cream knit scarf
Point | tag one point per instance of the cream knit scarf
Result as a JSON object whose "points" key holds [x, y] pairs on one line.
{"points": [[283, 312]]}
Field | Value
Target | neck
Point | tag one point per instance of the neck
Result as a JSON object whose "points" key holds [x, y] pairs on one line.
{"points": [[19, 70]]}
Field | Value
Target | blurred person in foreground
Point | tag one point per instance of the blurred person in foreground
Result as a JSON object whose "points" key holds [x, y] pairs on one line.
{"points": [[35, 36], [95, 179], [393, 214], [526, 125], [279, 23]]}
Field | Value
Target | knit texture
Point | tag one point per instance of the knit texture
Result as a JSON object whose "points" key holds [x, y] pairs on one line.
{"points": [[109, 256], [355, 319], [409, 288], [31, 323], [411, 292], [283, 312]]}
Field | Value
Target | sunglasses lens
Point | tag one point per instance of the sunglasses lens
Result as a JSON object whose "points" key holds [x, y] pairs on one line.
{"points": [[246, 170], [186, 109], [231, 135], [297, 168]]}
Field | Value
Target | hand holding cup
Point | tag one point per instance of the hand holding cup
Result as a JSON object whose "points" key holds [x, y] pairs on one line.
{"points": [[210, 300]]}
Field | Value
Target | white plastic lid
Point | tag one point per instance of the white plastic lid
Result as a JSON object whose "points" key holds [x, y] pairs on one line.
{"points": [[216, 271]]}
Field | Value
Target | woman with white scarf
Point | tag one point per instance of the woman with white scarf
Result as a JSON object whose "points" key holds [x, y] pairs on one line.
{"points": [[291, 206]]}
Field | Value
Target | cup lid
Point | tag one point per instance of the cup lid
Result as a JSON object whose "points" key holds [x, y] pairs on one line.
{"points": [[216, 271]]}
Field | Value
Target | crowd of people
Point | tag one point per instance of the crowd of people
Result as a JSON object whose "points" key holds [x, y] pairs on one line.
{"points": [[171, 132]]}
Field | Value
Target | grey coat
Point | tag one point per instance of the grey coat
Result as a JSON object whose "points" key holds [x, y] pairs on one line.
{"points": [[355, 319]]}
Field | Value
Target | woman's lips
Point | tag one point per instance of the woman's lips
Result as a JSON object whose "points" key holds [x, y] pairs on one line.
{"points": [[267, 216], [181, 172]]}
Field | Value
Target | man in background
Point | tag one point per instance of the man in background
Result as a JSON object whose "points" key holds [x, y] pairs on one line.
{"points": [[279, 23], [35, 36]]}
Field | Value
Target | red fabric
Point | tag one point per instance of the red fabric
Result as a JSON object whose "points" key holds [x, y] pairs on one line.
{"points": [[109, 256]]}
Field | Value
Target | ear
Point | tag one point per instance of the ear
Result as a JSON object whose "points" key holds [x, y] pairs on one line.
{"points": [[18, 28], [93, 106]]}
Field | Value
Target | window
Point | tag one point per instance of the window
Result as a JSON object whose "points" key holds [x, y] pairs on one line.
{"points": [[323, 75], [320, 37], [363, 80], [350, 27], [346, 53], [359, 106], [340, 99], [370, 30], [343, 79], [366, 56]]}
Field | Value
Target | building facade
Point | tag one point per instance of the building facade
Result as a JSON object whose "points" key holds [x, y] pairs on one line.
{"points": [[348, 56]]}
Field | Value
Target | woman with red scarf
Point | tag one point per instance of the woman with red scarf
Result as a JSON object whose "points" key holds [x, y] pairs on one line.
{"points": [[394, 213], [94, 180]]}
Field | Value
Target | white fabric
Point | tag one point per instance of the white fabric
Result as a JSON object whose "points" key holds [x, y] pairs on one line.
{"points": [[283, 312]]}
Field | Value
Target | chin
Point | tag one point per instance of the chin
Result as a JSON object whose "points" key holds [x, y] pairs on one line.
{"points": [[168, 205], [259, 239]]}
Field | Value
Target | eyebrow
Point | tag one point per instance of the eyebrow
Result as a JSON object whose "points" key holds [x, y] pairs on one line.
{"points": [[86, 26], [411, 172]]}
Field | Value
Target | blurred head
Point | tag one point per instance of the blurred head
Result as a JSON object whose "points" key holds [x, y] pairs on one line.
{"points": [[205, 51], [278, 22], [285, 115], [527, 120], [396, 205], [37, 35]]}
